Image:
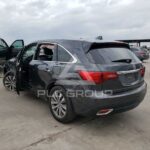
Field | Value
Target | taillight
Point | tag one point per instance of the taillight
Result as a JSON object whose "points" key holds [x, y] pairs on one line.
{"points": [[142, 71], [97, 77], [109, 76], [142, 53]]}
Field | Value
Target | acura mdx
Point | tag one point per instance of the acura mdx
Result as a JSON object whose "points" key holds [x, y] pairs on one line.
{"points": [[79, 77]]}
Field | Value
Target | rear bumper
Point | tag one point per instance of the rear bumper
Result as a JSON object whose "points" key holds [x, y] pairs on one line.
{"points": [[120, 102]]}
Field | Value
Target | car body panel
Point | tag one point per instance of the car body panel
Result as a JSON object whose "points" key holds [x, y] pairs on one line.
{"points": [[100, 100]]}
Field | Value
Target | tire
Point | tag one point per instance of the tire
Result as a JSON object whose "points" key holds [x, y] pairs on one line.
{"points": [[60, 105], [9, 81]]}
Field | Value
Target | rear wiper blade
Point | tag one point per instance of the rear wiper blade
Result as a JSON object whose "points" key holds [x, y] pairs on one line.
{"points": [[123, 60]]}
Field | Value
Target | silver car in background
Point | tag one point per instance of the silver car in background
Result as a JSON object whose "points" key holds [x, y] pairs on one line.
{"points": [[141, 53]]}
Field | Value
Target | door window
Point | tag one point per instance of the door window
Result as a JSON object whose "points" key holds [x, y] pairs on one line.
{"points": [[29, 52], [18, 44], [47, 52], [63, 55]]}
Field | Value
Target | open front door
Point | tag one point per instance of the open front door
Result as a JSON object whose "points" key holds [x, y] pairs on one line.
{"points": [[3, 51], [22, 67]]}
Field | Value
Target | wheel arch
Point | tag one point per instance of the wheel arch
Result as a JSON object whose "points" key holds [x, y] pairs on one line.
{"points": [[56, 83], [60, 83]]}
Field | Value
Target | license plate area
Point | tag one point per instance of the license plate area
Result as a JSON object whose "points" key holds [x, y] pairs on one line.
{"points": [[129, 78]]}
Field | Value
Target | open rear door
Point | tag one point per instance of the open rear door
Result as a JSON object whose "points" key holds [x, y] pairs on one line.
{"points": [[15, 48]]}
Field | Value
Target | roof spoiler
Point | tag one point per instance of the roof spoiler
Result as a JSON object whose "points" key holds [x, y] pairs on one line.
{"points": [[107, 45]]}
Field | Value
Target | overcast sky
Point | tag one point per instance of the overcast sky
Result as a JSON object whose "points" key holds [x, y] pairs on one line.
{"points": [[48, 19]]}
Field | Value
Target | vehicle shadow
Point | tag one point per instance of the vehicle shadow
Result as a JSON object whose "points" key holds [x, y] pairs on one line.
{"points": [[92, 121]]}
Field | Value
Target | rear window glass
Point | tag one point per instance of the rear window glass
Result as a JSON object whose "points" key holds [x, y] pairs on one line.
{"points": [[109, 55]]}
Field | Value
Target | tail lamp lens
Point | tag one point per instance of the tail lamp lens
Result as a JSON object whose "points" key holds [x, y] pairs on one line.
{"points": [[142, 71], [97, 77]]}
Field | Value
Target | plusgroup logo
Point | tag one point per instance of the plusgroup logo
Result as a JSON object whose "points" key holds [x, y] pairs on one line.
{"points": [[79, 93]]}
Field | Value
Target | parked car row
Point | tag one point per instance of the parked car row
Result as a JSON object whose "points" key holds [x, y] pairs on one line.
{"points": [[79, 77], [141, 52]]}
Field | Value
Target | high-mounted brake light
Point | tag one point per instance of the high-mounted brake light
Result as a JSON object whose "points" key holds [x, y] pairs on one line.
{"points": [[142, 71], [97, 77]]}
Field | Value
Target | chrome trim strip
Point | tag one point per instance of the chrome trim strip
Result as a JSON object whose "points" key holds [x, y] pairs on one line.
{"points": [[127, 72], [74, 58]]}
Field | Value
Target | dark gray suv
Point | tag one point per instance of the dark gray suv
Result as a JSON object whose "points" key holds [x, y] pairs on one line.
{"points": [[79, 77]]}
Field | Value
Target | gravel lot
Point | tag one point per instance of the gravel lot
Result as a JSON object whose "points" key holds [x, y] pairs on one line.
{"points": [[26, 124]]}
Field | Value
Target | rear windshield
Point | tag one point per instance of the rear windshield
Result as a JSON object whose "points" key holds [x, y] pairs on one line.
{"points": [[109, 55]]}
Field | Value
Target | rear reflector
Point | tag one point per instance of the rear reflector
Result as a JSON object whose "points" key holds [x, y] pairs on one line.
{"points": [[109, 76], [97, 77], [142, 71]]}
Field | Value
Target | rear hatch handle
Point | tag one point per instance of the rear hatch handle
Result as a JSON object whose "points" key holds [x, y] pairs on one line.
{"points": [[123, 60]]}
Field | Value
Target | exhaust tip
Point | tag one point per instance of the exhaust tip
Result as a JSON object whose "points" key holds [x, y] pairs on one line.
{"points": [[104, 112]]}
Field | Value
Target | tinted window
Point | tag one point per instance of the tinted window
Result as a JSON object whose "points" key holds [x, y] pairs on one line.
{"points": [[108, 55], [18, 44], [63, 55]]}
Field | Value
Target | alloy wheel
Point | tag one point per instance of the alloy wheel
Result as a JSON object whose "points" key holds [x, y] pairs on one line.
{"points": [[58, 104], [10, 82]]}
